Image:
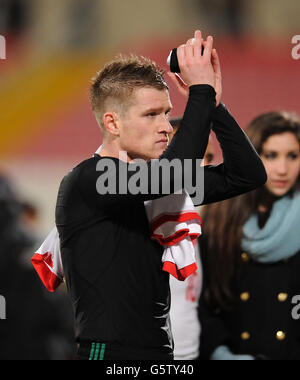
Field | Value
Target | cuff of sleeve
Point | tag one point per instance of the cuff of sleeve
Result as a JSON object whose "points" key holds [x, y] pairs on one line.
{"points": [[202, 88]]}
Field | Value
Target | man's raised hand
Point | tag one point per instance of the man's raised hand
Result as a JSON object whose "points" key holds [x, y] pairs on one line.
{"points": [[180, 82], [196, 68]]}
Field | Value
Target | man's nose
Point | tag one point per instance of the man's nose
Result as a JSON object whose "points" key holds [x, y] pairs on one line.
{"points": [[165, 126]]}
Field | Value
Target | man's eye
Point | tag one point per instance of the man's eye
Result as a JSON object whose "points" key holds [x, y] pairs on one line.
{"points": [[151, 114]]}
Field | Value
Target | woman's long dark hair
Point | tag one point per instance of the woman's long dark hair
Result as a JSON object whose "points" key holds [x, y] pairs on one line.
{"points": [[223, 221]]}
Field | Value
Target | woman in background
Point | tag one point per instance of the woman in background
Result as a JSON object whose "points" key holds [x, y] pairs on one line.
{"points": [[250, 251]]}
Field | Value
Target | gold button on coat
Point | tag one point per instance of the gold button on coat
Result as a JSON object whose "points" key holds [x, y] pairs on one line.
{"points": [[245, 335], [280, 335], [282, 297], [245, 257], [245, 296]]}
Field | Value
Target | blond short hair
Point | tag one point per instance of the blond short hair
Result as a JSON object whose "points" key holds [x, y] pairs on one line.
{"points": [[114, 85]]}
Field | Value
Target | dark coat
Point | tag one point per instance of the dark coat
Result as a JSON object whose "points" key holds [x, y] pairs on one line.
{"points": [[263, 322]]}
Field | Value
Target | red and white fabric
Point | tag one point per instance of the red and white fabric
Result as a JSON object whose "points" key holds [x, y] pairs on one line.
{"points": [[47, 261], [174, 223]]}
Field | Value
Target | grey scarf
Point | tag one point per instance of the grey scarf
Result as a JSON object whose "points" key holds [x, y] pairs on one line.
{"points": [[280, 237]]}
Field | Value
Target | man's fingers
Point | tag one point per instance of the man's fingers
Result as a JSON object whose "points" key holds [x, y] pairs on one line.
{"points": [[175, 79], [179, 83], [218, 76], [198, 35], [195, 67], [208, 47], [198, 43], [189, 49], [216, 62], [181, 54], [193, 46]]}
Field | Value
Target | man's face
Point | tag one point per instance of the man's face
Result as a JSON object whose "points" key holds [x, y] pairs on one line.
{"points": [[144, 128]]}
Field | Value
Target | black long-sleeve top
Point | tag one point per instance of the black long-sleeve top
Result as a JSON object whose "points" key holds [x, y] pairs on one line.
{"points": [[113, 269]]}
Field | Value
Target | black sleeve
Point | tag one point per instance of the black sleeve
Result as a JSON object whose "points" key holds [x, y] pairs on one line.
{"points": [[191, 139], [242, 169], [190, 142], [214, 332]]}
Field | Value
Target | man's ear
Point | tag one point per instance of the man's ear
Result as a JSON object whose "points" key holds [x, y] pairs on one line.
{"points": [[111, 123]]}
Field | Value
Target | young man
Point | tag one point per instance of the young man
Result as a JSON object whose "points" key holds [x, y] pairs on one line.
{"points": [[113, 269]]}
